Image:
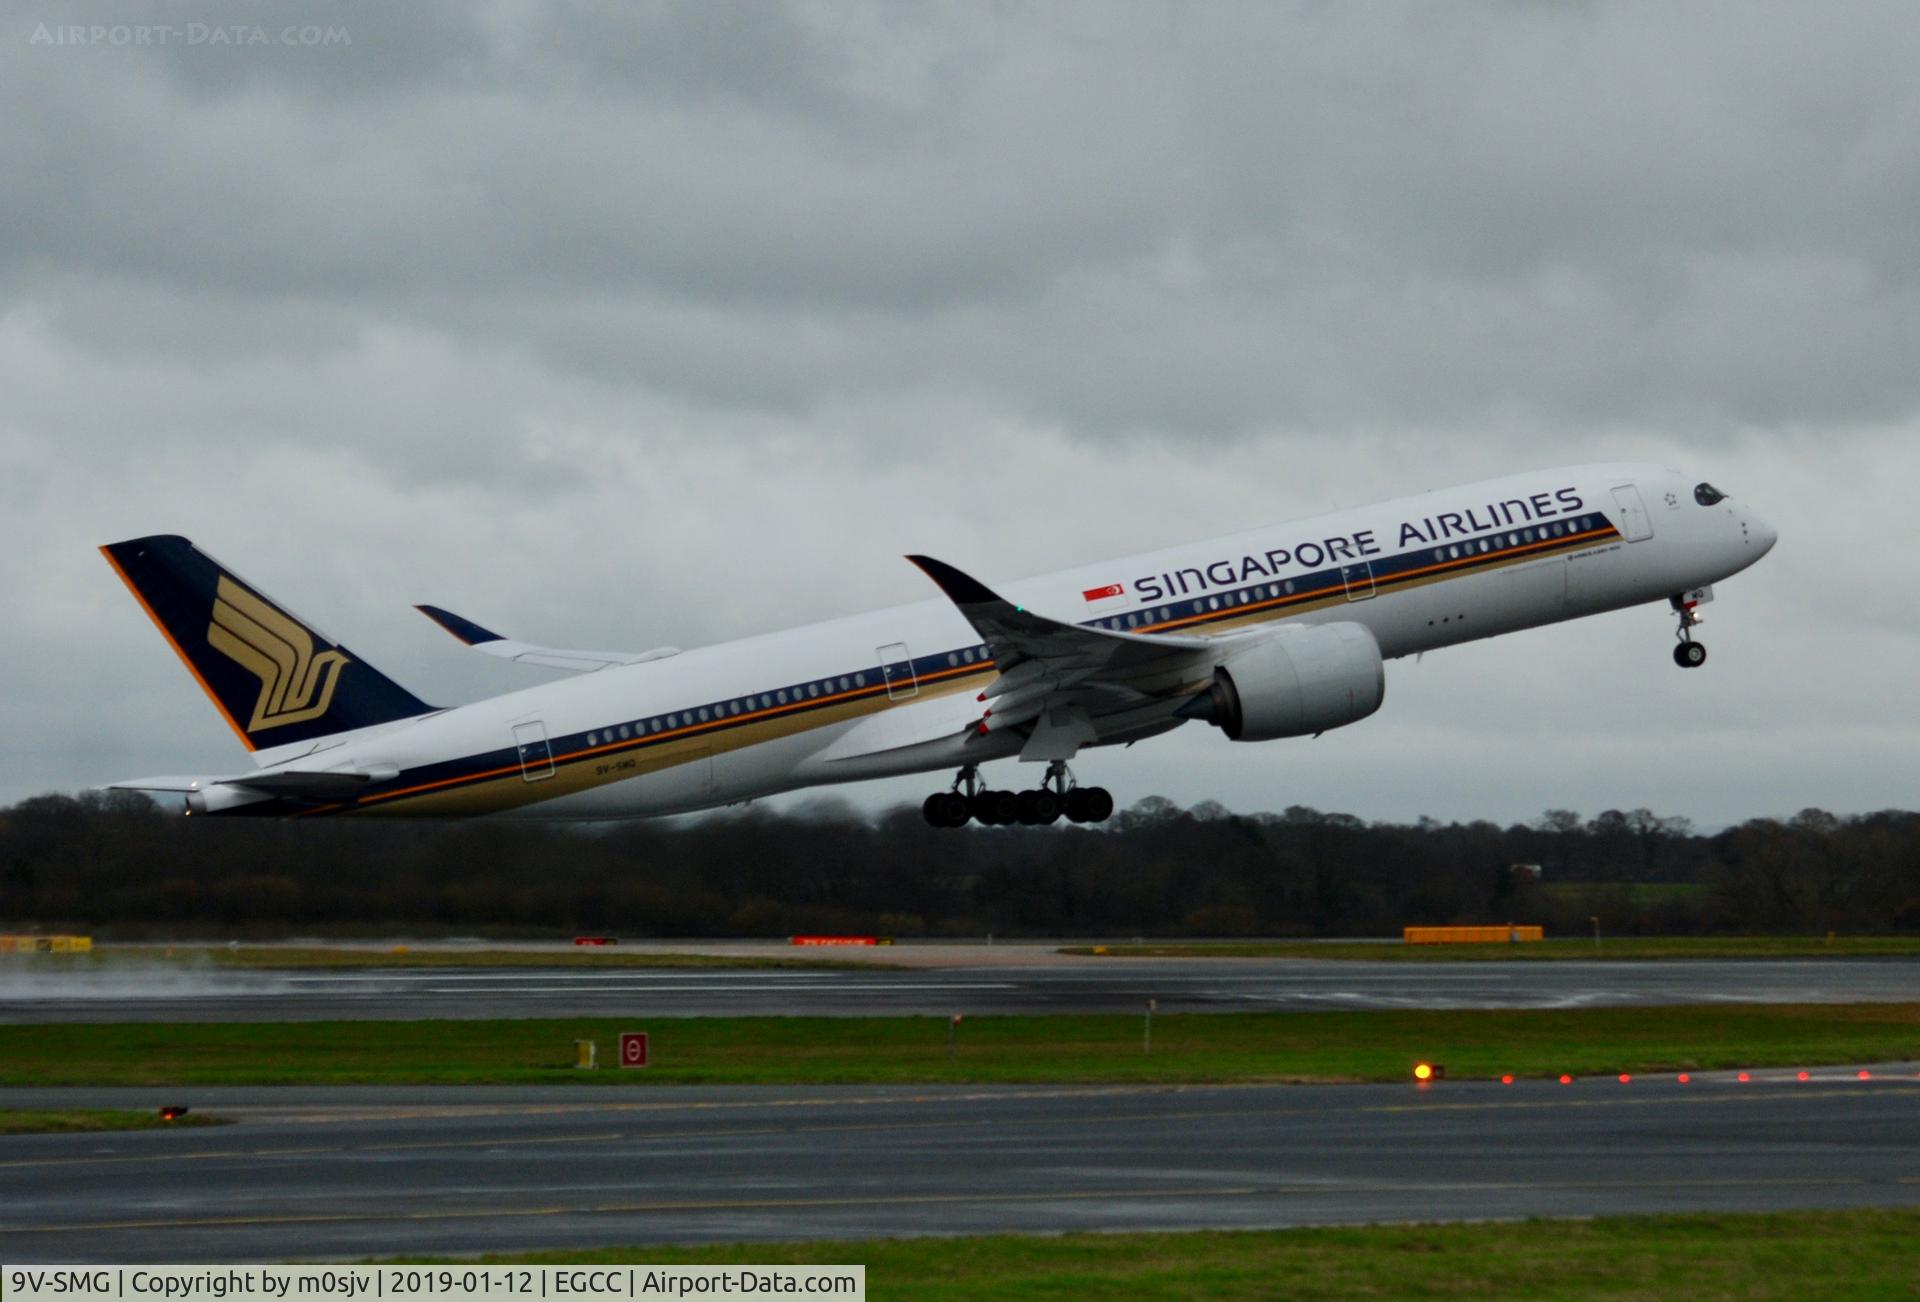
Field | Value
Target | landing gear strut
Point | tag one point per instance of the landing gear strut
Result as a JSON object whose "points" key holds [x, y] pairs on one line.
{"points": [[970, 800], [1687, 653]]}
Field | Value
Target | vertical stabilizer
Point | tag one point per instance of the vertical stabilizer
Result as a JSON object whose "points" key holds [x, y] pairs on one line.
{"points": [[274, 679]]}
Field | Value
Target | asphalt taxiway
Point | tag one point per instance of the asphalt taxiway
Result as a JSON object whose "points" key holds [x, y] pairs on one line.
{"points": [[972, 981], [318, 1173]]}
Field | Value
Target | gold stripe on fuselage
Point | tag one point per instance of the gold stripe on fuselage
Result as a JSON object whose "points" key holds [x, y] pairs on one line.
{"points": [[504, 787]]}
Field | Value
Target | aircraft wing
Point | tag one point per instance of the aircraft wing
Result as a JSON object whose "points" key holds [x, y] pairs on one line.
{"points": [[1068, 682], [487, 642]]}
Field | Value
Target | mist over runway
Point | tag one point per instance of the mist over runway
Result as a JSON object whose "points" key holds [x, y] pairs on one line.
{"points": [[941, 980], [351, 1172]]}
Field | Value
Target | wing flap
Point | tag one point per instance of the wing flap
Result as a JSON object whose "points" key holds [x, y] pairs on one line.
{"points": [[1057, 679]]}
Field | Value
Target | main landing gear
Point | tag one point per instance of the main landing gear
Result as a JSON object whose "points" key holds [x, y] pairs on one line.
{"points": [[1687, 653], [970, 801]]}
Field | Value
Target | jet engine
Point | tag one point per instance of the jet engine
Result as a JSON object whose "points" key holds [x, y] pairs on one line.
{"points": [[1294, 681]]}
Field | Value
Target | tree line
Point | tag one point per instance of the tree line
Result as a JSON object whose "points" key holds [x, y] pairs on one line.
{"points": [[115, 864]]}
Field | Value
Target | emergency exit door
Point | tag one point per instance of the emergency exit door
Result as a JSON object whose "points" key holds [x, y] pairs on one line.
{"points": [[1635, 524]]}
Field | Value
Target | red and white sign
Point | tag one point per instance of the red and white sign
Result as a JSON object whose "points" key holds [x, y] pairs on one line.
{"points": [[1101, 594], [633, 1048]]}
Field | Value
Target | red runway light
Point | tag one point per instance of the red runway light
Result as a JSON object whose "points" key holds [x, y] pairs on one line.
{"points": [[1624, 1078], [1866, 1075], [1803, 1076], [1684, 1078], [1506, 1080], [1566, 1080], [1744, 1078]]}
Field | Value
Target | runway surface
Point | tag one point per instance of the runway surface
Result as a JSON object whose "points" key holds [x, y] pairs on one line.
{"points": [[316, 1173], [979, 981]]}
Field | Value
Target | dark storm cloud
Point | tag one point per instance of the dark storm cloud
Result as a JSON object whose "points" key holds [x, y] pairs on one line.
{"points": [[1194, 219]]}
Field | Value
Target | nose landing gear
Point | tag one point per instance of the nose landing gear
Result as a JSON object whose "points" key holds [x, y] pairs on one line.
{"points": [[1687, 653], [971, 801]]}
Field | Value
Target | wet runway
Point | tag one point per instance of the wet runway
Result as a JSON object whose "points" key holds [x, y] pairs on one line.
{"points": [[1018, 982], [333, 1172]]}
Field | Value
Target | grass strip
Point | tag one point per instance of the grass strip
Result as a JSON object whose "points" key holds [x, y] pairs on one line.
{"points": [[1541, 951], [1194, 1047], [64, 1121], [1864, 1253], [402, 956]]}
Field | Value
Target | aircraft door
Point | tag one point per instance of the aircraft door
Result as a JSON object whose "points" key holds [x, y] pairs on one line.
{"points": [[1635, 524], [1359, 580], [896, 671], [536, 754]]}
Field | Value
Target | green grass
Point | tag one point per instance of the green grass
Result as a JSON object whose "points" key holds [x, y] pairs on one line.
{"points": [[1626, 947], [289, 956], [1324, 1046], [1861, 1254], [21, 1121]]}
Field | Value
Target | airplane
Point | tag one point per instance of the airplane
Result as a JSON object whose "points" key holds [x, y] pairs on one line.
{"points": [[1274, 633]]}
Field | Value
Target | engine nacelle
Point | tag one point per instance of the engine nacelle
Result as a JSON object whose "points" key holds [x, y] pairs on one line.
{"points": [[1295, 681]]}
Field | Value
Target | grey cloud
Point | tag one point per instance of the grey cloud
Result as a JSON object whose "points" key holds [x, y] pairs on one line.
{"points": [[629, 325]]}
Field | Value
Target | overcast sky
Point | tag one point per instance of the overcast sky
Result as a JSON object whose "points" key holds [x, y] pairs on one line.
{"points": [[620, 325]]}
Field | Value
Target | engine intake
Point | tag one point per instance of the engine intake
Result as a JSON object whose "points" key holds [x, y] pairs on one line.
{"points": [[1295, 681]]}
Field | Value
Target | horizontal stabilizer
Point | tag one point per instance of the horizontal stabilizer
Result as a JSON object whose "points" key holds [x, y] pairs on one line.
{"points": [[294, 784], [488, 642], [181, 783]]}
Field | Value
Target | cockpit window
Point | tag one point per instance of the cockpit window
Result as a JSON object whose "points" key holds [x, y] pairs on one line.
{"points": [[1707, 494]]}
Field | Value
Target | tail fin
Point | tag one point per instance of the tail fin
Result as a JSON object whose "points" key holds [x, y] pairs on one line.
{"points": [[274, 679]]}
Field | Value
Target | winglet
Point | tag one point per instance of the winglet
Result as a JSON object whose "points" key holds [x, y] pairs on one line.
{"points": [[464, 629], [961, 588]]}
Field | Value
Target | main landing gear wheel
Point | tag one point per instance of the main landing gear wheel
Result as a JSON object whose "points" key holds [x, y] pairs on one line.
{"points": [[1089, 805], [946, 809], [1690, 655], [971, 802], [995, 808]]}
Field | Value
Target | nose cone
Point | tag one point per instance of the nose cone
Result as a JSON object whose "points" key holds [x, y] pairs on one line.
{"points": [[1761, 534]]}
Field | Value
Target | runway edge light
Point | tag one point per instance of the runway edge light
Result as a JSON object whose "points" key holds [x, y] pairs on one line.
{"points": [[1428, 1071]]}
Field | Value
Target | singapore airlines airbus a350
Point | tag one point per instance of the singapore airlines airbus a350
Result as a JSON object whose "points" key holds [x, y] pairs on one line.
{"points": [[1280, 632]]}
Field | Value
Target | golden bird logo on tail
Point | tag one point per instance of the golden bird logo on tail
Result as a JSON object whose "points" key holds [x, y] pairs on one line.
{"points": [[295, 684]]}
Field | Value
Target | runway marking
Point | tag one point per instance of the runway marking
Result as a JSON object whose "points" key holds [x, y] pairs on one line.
{"points": [[1317, 1188], [619, 1209], [1110, 1119], [310, 1150]]}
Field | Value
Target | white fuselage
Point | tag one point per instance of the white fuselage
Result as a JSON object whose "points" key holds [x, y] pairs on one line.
{"points": [[893, 691]]}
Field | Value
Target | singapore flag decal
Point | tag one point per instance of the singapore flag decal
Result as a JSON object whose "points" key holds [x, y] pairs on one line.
{"points": [[1101, 594]]}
